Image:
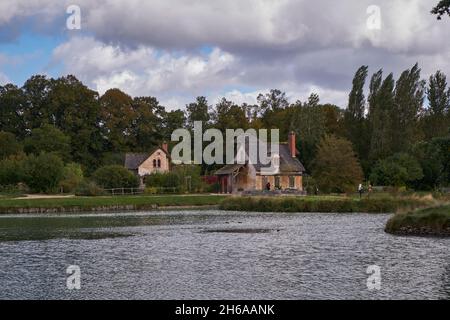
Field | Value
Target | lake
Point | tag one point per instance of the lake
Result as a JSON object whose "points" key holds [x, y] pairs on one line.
{"points": [[217, 255]]}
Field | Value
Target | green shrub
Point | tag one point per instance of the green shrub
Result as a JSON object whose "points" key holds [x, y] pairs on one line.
{"points": [[11, 172], [300, 204], [114, 176], [182, 178], [13, 190], [48, 139], [89, 189], [43, 173], [310, 185], [212, 188], [111, 158], [399, 170], [163, 180], [9, 145], [72, 177], [151, 190]]}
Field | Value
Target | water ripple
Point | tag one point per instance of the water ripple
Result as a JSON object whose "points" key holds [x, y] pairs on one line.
{"points": [[218, 255]]}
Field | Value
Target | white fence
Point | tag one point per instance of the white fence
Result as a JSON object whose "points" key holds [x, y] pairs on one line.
{"points": [[124, 191], [137, 191]]}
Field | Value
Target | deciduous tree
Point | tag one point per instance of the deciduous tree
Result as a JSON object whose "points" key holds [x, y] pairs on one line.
{"points": [[12, 104], [308, 122], [75, 110], [198, 111], [9, 145], [228, 115], [48, 139], [43, 173], [147, 124], [336, 167], [399, 170], [110, 177], [442, 8], [117, 115]]}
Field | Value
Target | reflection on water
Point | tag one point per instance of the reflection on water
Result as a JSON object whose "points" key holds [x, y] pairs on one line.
{"points": [[217, 255]]}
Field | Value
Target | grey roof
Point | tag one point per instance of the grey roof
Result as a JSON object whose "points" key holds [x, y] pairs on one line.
{"points": [[288, 164], [229, 169], [134, 160]]}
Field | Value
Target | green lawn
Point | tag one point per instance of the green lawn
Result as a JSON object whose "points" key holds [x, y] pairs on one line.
{"points": [[322, 203], [139, 202]]}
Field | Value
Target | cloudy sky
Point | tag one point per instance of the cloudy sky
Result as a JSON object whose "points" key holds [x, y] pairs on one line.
{"points": [[179, 49]]}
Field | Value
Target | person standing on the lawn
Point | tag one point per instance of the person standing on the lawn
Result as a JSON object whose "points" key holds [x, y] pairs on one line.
{"points": [[360, 190]]}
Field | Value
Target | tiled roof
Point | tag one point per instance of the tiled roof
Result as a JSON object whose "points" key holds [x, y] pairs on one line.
{"points": [[288, 164], [134, 160]]}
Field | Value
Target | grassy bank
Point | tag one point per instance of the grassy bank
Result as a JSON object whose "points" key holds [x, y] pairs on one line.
{"points": [[104, 203], [341, 204], [324, 204], [433, 221]]}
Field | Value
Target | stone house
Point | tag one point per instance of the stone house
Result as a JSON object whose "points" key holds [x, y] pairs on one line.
{"points": [[143, 164], [235, 178]]}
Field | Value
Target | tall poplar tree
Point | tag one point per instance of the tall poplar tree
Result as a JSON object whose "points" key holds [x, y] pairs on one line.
{"points": [[382, 106], [197, 111], [409, 98], [354, 117], [436, 120]]}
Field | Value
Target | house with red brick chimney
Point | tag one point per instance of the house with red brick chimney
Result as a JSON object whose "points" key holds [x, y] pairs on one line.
{"points": [[234, 178], [144, 164]]}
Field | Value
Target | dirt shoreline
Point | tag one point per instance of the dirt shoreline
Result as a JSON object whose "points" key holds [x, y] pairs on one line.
{"points": [[420, 232]]}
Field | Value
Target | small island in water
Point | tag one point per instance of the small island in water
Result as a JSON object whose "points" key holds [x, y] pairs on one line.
{"points": [[434, 221]]}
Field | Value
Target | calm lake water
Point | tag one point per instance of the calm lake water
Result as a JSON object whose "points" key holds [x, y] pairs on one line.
{"points": [[217, 255]]}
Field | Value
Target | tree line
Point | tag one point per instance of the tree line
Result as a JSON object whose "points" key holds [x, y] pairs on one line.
{"points": [[386, 135]]}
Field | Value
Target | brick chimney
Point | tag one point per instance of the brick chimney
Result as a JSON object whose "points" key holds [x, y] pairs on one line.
{"points": [[165, 147], [292, 145]]}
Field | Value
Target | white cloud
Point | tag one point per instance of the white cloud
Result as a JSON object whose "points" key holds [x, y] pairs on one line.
{"points": [[144, 69], [46, 10], [177, 78], [153, 47], [246, 25], [293, 94], [240, 97]]}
